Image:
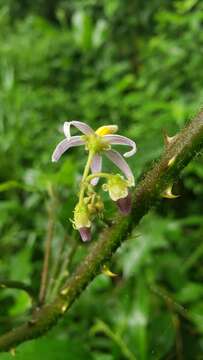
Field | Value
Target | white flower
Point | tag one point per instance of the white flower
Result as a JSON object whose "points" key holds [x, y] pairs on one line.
{"points": [[101, 141]]}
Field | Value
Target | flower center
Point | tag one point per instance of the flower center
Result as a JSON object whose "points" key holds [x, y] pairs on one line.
{"points": [[95, 143]]}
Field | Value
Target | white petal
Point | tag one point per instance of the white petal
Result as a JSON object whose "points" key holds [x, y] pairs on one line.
{"points": [[122, 140], [118, 160], [83, 127], [64, 145], [96, 167]]}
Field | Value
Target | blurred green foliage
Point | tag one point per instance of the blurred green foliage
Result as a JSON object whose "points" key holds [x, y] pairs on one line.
{"points": [[137, 64]]}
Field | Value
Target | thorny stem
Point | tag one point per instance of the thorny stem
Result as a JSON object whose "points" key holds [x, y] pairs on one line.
{"points": [[186, 145]]}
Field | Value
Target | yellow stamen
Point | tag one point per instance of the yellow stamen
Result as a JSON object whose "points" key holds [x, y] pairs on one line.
{"points": [[108, 272], [106, 130]]}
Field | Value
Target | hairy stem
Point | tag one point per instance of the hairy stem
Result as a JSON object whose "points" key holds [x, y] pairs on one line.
{"points": [[181, 149]]}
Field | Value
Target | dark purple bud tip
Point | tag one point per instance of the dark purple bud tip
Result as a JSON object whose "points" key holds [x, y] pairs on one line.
{"points": [[85, 234], [125, 204]]}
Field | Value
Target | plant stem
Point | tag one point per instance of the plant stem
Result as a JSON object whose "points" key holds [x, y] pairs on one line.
{"points": [[47, 253], [183, 148], [66, 261], [101, 326], [56, 266], [99, 174], [9, 284], [85, 174]]}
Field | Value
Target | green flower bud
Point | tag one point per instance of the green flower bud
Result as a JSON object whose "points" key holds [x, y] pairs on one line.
{"points": [[81, 216], [117, 187]]}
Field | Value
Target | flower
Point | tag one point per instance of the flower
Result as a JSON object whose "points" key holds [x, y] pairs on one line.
{"points": [[117, 187], [98, 141]]}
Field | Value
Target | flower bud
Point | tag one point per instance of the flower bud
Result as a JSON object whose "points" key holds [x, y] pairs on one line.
{"points": [[82, 222], [85, 233], [92, 209], [99, 205], [117, 187]]}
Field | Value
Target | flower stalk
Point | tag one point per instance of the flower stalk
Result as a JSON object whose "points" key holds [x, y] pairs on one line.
{"points": [[84, 177]]}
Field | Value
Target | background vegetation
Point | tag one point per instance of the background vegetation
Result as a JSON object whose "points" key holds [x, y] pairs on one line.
{"points": [[137, 64]]}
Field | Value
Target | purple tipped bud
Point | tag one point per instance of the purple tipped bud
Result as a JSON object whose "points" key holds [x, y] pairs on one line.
{"points": [[125, 204], [85, 233]]}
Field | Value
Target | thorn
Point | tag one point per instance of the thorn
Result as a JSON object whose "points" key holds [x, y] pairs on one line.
{"points": [[168, 193], [13, 352], [32, 322], [168, 139], [108, 272], [64, 308], [171, 161], [64, 291]]}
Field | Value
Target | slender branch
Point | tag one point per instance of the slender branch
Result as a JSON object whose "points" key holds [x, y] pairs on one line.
{"points": [[18, 285], [64, 271], [56, 266], [99, 174], [47, 253], [85, 174], [176, 156], [101, 326]]}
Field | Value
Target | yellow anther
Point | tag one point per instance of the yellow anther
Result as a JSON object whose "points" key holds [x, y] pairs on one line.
{"points": [[108, 272], [106, 130], [168, 193]]}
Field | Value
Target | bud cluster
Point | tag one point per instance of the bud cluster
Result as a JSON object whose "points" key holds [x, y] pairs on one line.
{"points": [[91, 204]]}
